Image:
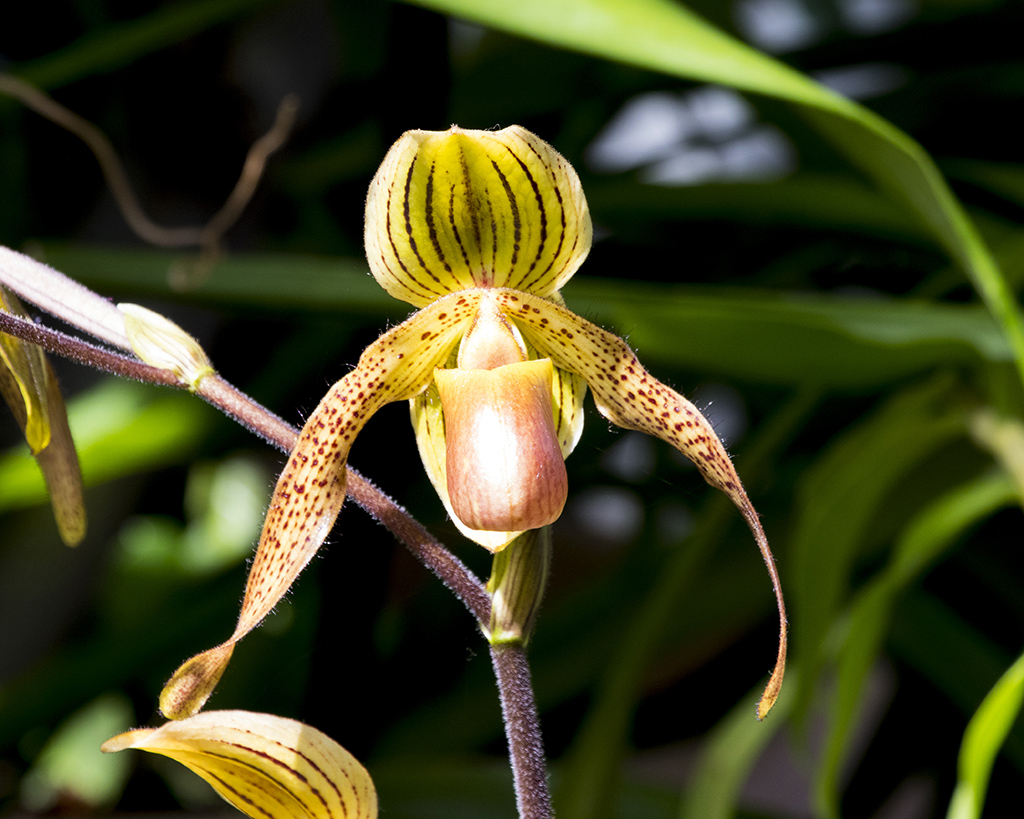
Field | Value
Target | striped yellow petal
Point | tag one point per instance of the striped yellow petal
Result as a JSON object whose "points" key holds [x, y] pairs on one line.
{"points": [[29, 386], [310, 492], [627, 395], [24, 382], [266, 766], [457, 209]]}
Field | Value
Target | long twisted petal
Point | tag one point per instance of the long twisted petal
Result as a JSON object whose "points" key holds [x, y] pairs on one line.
{"points": [[268, 767], [627, 395], [310, 492], [457, 209]]}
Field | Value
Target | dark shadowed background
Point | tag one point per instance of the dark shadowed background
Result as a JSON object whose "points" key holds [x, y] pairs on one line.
{"points": [[842, 356]]}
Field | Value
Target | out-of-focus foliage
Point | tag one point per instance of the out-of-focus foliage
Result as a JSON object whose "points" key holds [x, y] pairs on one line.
{"points": [[789, 272]]}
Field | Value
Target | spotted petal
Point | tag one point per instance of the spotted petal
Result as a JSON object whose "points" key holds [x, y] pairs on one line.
{"points": [[627, 395], [457, 209], [268, 767], [311, 489]]}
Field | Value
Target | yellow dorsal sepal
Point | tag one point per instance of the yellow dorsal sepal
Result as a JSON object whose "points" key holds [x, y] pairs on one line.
{"points": [[458, 209]]}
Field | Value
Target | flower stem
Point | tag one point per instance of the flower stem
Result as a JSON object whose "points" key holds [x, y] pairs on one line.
{"points": [[237, 405], [522, 729], [53, 341], [512, 671]]}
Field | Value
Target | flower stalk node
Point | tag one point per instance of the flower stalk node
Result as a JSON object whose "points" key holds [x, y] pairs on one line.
{"points": [[519, 576]]}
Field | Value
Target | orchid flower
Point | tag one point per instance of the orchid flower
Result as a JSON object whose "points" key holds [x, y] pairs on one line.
{"points": [[478, 230]]}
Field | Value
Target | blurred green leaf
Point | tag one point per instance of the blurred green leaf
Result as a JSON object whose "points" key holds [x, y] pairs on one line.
{"points": [[115, 46], [817, 200], [838, 504], [730, 751], [1003, 178], [985, 733], [841, 341], [923, 540], [225, 504], [71, 769], [267, 280], [665, 36], [1004, 438], [953, 655], [120, 428]]}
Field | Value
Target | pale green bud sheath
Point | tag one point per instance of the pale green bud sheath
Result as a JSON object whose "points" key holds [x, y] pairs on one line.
{"points": [[519, 575], [160, 342]]}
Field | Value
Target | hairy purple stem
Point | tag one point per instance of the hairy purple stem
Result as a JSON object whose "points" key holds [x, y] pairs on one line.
{"points": [[522, 729], [58, 343], [512, 671], [234, 403]]}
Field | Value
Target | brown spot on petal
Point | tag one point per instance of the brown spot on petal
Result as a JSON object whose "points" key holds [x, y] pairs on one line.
{"points": [[617, 379]]}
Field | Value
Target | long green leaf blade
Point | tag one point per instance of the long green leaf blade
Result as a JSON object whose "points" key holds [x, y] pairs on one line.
{"points": [[664, 36], [921, 543], [114, 46], [985, 734]]}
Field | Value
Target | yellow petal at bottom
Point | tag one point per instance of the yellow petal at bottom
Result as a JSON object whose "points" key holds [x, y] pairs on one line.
{"points": [[266, 766]]}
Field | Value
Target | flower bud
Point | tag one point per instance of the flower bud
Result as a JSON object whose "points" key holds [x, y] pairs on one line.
{"points": [[160, 342], [505, 470]]}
